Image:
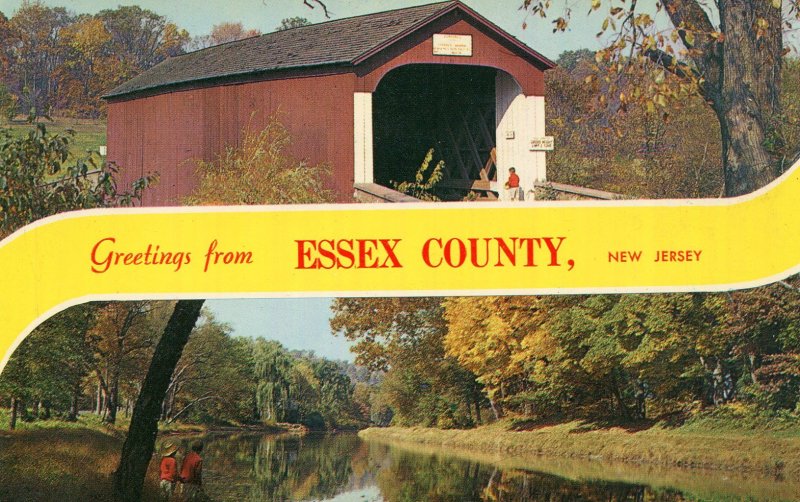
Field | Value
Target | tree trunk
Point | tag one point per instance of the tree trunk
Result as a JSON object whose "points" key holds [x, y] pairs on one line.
{"points": [[111, 407], [112, 398], [14, 407], [139, 444], [498, 413], [749, 99], [617, 394], [99, 401], [73, 407]]}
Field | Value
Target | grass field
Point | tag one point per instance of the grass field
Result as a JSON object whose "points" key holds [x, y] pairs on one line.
{"points": [[89, 133]]}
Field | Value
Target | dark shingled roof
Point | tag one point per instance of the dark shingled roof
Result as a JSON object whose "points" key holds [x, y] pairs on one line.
{"points": [[341, 41]]}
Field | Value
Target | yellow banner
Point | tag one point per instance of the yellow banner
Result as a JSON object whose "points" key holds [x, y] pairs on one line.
{"points": [[408, 249]]}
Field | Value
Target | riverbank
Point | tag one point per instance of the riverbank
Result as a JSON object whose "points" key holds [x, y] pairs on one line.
{"points": [[51, 460], [63, 464], [707, 446]]}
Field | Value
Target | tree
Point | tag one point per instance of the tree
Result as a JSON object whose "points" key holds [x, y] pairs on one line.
{"points": [[141, 38], [124, 334], [90, 68], [734, 65], [230, 32], [37, 52], [292, 22], [140, 441], [213, 380], [223, 33], [8, 103], [403, 337], [260, 172], [652, 157], [273, 369], [38, 179], [499, 339]]}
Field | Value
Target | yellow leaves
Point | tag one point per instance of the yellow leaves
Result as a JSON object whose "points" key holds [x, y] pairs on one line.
{"points": [[776, 4], [596, 4], [659, 78], [560, 24], [643, 21], [495, 337], [688, 36], [761, 26], [88, 36]]}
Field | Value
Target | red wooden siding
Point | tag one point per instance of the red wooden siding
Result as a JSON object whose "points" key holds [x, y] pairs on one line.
{"points": [[167, 133]]}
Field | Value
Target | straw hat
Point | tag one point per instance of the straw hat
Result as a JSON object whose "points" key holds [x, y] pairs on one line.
{"points": [[169, 449]]}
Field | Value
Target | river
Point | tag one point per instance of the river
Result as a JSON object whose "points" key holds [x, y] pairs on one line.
{"points": [[344, 467]]}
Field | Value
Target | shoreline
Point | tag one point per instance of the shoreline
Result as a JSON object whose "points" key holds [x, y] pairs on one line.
{"points": [[761, 454]]}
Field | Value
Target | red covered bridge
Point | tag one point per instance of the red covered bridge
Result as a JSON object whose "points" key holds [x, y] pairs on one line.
{"points": [[368, 95]]}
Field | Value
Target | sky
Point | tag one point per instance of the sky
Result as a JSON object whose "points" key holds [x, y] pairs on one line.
{"points": [[298, 323]]}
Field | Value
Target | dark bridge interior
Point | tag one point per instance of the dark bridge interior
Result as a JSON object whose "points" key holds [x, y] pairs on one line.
{"points": [[449, 108]]}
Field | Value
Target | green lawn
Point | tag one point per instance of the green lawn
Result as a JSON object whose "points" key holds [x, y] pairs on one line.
{"points": [[89, 133]]}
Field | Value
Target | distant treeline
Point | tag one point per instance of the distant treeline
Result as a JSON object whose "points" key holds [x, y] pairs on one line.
{"points": [[53, 61], [93, 358]]}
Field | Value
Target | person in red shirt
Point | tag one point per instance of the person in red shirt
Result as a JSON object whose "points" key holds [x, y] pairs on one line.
{"points": [[168, 471], [192, 473], [512, 185]]}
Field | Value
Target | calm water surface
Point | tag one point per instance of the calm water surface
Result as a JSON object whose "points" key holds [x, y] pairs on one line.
{"points": [[345, 468]]}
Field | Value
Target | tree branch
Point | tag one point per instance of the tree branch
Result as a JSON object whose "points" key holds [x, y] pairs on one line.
{"points": [[204, 398], [310, 5], [669, 63], [706, 52]]}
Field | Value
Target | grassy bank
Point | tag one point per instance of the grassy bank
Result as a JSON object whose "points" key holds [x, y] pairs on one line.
{"points": [[62, 464], [712, 443], [46, 460]]}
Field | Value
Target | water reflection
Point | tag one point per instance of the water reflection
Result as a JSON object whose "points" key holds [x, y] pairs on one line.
{"points": [[344, 468]]}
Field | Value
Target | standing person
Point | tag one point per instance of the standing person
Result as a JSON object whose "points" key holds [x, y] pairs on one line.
{"points": [[192, 473], [512, 185], [168, 471]]}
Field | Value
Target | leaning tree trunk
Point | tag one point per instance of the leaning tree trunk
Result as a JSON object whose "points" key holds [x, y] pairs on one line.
{"points": [[139, 444], [748, 103]]}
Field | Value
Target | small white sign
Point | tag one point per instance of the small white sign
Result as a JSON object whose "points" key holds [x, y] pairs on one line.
{"points": [[544, 143], [103, 150], [452, 45], [510, 135]]}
